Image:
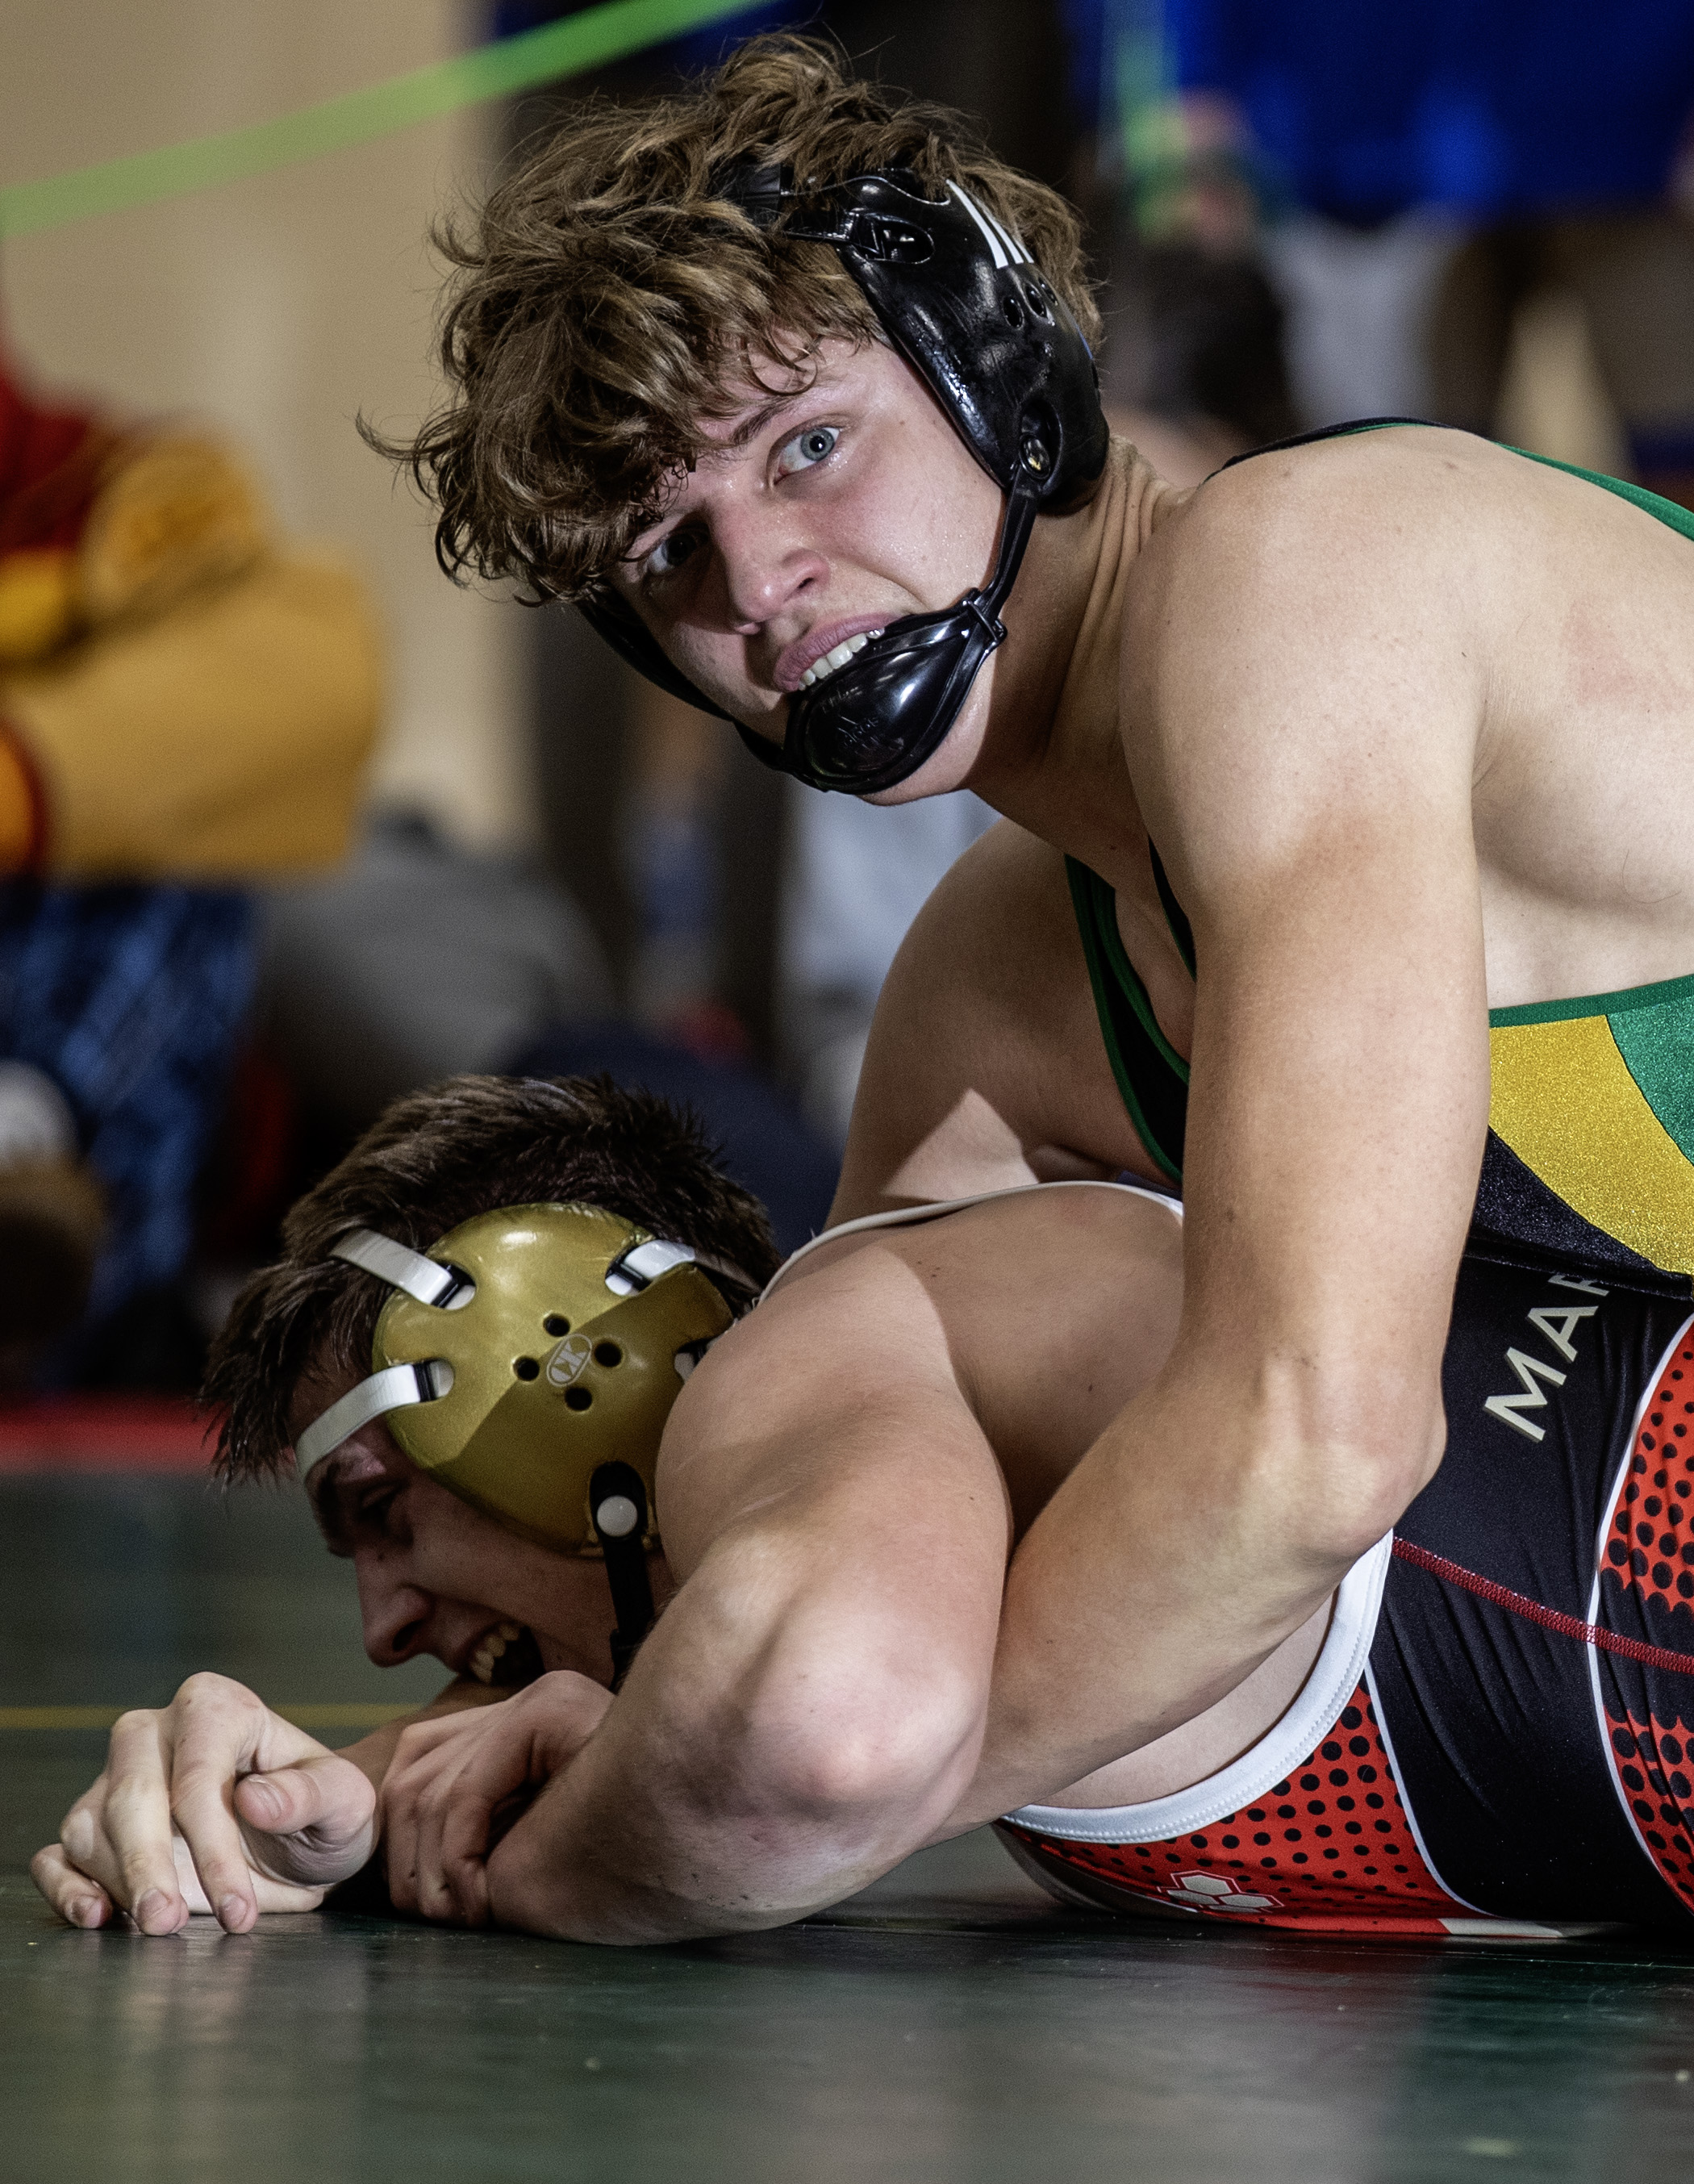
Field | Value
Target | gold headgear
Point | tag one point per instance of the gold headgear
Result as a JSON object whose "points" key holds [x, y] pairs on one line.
{"points": [[529, 1360]]}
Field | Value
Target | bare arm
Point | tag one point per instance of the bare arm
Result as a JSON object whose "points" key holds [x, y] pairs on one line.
{"points": [[985, 1067], [809, 1707], [1310, 780]]}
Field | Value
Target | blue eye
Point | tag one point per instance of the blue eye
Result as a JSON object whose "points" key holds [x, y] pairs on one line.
{"points": [[808, 449]]}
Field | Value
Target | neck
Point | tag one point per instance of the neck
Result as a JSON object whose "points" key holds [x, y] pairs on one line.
{"points": [[1052, 758]]}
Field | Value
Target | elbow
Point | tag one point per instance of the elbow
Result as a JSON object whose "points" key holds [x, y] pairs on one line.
{"points": [[844, 1774], [1359, 1482]]}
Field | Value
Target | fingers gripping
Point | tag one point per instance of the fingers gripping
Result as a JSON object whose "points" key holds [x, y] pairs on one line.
{"points": [[79, 1901], [314, 1823], [453, 1781], [429, 1792], [158, 1834], [124, 1839]]}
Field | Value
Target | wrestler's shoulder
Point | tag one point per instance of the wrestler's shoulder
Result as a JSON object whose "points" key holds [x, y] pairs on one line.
{"points": [[1410, 530], [1291, 503]]}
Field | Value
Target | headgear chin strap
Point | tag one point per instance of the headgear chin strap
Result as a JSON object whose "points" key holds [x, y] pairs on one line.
{"points": [[529, 1362], [962, 300]]}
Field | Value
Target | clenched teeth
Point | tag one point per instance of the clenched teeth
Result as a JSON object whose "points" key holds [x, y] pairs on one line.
{"points": [[838, 656], [490, 1647]]}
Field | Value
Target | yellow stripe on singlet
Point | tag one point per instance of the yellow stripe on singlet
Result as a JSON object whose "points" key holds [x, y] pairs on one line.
{"points": [[1563, 1100]]}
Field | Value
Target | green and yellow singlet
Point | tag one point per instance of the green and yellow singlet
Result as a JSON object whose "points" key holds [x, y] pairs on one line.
{"points": [[1591, 1140]]}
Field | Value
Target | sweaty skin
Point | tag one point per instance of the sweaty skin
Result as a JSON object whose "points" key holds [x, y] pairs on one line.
{"points": [[811, 1704], [1411, 720]]}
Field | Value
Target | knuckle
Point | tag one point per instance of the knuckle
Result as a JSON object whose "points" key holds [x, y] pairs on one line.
{"points": [[206, 1687], [78, 1836], [127, 1792]]}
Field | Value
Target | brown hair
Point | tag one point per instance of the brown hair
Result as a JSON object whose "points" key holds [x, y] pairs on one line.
{"points": [[606, 298], [434, 1159]]}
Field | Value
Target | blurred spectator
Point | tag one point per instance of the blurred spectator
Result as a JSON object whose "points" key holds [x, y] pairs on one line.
{"points": [[1448, 164], [673, 858], [186, 705], [422, 960], [1194, 370], [857, 874], [416, 962]]}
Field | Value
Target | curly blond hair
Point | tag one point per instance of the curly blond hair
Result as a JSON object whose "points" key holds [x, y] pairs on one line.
{"points": [[606, 300]]}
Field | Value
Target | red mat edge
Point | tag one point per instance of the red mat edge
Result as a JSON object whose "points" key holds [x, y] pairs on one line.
{"points": [[59, 1434]]}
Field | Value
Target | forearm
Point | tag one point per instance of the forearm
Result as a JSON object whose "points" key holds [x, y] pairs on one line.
{"points": [[758, 1765], [1196, 1536]]}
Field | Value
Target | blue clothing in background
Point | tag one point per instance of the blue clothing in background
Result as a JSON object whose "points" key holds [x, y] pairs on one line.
{"points": [[132, 999], [1487, 107]]}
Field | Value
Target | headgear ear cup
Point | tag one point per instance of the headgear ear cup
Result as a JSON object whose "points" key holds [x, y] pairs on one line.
{"points": [[528, 1363]]}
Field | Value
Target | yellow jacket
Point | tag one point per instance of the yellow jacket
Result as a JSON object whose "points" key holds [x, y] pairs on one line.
{"points": [[181, 697]]}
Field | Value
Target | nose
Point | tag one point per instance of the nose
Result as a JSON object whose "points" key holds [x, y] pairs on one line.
{"points": [[762, 563], [396, 1614]]}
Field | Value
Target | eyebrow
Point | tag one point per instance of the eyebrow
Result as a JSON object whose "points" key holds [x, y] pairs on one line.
{"points": [[752, 425], [745, 433]]}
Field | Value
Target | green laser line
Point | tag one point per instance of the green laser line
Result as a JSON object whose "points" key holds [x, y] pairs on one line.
{"points": [[583, 41]]}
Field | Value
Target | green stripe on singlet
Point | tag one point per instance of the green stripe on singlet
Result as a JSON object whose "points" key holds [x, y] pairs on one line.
{"points": [[1151, 1076], [1658, 1045]]}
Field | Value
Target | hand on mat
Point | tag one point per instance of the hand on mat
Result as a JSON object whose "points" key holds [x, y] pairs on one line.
{"points": [[456, 1786], [212, 1803]]}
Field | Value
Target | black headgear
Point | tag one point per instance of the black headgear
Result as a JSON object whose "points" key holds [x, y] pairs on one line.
{"points": [[960, 298]]}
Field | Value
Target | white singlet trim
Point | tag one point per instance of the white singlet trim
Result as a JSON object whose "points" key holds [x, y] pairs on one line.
{"points": [[908, 1217], [1333, 1678]]}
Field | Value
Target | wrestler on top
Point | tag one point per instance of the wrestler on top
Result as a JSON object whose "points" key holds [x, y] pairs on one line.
{"points": [[1309, 769]]}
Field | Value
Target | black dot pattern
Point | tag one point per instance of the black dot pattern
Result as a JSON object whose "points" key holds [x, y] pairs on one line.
{"points": [[1650, 1543], [1649, 1594], [1326, 1851], [1655, 1771]]}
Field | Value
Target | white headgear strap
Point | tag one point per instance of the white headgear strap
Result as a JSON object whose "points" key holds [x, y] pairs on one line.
{"points": [[431, 1283]]}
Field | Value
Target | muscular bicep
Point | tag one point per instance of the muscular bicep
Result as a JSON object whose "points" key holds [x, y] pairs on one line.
{"points": [[1310, 769]]}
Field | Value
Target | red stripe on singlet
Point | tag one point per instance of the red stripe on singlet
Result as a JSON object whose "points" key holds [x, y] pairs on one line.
{"points": [[1549, 1618]]}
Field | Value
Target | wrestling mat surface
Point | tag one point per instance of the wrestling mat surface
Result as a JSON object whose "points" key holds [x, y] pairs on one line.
{"points": [[949, 2023]]}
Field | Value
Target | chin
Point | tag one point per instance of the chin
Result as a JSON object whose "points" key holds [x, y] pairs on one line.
{"points": [[950, 764]]}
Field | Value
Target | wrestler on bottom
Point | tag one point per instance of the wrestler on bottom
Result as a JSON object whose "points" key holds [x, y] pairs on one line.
{"points": [[1481, 1733]]}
